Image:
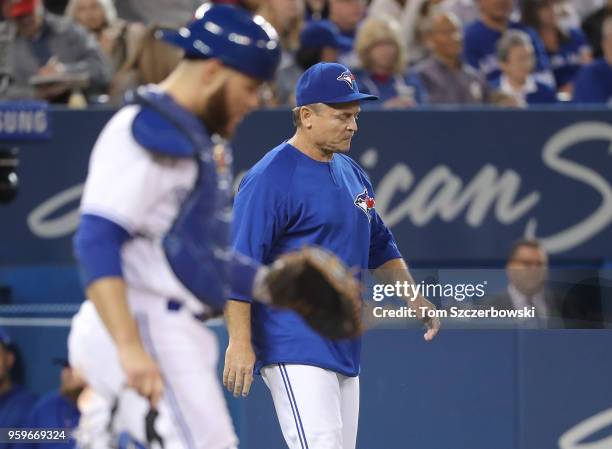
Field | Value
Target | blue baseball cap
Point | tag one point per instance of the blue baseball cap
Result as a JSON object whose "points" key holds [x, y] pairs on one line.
{"points": [[330, 83], [323, 33]]}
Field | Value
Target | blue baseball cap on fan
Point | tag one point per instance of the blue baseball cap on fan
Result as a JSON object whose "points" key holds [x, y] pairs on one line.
{"points": [[323, 33], [330, 83]]}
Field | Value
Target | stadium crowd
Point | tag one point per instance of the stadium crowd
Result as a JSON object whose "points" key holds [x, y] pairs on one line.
{"points": [[408, 52]]}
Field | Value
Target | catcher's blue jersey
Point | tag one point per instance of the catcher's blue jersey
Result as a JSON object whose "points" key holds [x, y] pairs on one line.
{"points": [[286, 201]]}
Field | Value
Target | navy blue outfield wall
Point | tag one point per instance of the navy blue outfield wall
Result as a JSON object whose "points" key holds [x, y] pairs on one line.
{"points": [[454, 186], [457, 187]]}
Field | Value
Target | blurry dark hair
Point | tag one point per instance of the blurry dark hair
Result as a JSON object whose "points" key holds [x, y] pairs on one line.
{"points": [[307, 57], [529, 243], [17, 371], [530, 17]]}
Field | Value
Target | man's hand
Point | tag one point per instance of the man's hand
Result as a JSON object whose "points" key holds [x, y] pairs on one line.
{"points": [[238, 369], [52, 67], [397, 270], [142, 372], [432, 324]]}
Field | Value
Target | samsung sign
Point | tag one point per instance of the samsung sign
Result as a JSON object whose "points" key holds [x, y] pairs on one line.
{"points": [[23, 121]]}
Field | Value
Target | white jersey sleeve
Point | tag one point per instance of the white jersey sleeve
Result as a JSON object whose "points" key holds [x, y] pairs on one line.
{"points": [[124, 179]]}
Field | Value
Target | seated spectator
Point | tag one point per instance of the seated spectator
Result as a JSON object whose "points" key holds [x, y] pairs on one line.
{"points": [[15, 401], [346, 15], [445, 76], [572, 299], [411, 14], [151, 63], [566, 50], [517, 61], [320, 41], [415, 14], [594, 82], [173, 13], [61, 53], [116, 37], [58, 409], [592, 27], [482, 36], [287, 17], [527, 272], [383, 60]]}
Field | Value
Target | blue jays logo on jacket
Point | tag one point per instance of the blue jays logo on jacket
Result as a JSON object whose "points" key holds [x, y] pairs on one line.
{"points": [[364, 202], [348, 78]]}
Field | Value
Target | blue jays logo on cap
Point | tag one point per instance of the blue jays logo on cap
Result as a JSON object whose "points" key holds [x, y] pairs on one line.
{"points": [[364, 202], [348, 78], [329, 83]]}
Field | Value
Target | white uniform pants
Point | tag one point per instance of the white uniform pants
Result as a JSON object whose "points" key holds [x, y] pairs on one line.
{"points": [[316, 408], [192, 413]]}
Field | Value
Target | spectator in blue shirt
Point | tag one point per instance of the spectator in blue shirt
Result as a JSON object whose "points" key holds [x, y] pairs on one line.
{"points": [[567, 50], [383, 60], [347, 15], [517, 60], [592, 25], [58, 409], [482, 36], [320, 41], [15, 401], [594, 82]]}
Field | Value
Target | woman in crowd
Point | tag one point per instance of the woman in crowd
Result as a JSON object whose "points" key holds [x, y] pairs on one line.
{"points": [[137, 56], [567, 49], [517, 61], [382, 54], [117, 38]]}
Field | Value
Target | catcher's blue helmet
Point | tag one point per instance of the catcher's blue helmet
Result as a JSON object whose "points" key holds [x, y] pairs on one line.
{"points": [[242, 41]]}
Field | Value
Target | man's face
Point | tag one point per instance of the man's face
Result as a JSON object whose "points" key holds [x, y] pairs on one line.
{"points": [[346, 14], [498, 10], [520, 63], [527, 270], [234, 99], [333, 126], [28, 25], [547, 15], [383, 57], [90, 14], [446, 37]]}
